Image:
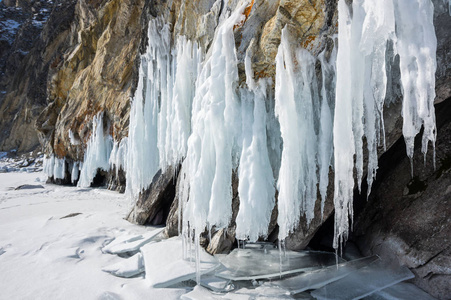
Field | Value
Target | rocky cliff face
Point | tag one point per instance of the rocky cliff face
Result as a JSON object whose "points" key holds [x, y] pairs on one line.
{"points": [[83, 59], [94, 74], [27, 30]]}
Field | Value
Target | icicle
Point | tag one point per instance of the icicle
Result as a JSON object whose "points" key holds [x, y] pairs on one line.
{"points": [[417, 45], [118, 157], [212, 146], [256, 181], [344, 146], [325, 139], [143, 153], [197, 249], [297, 109], [49, 162], [54, 167], [97, 153], [364, 40], [59, 170], [75, 171], [160, 117]]}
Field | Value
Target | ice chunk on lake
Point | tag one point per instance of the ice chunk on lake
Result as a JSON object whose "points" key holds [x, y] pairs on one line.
{"points": [[319, 278], [214, 283], [365, 281], [131, 243], [127, 267], [200, 293], [265, 293], [401, 290], [165, 265], [247, 264]]}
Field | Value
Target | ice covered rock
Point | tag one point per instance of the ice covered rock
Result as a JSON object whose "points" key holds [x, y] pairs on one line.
{"points": [[154, 203]]}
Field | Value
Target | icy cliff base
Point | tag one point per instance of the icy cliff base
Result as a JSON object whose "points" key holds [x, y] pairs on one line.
{"points": [[192, 107]]}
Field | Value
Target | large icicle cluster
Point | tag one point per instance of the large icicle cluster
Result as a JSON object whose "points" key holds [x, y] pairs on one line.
{"points": [[212, 146], [193, 111], [160, 117], [97, 153], [361, 86], [54, 167], [256, 181], [306, 126]]}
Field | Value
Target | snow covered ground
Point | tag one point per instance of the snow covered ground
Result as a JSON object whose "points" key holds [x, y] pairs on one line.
{"points": [[62, 242], [46, 256]]}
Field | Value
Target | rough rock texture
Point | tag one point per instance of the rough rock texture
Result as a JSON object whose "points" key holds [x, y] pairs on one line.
{"points": [[153, 204], [442, 22], [408, 219], [95, 74], [27, 49]]}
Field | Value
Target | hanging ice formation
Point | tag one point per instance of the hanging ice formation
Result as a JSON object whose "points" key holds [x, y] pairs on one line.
{"points": [[160, 117], [54, 167], [190, 110], [96, 157], [306, 126], [213, 144], [448, 4], [97, 153], [256, 181], [118, 155], [361, 87]]}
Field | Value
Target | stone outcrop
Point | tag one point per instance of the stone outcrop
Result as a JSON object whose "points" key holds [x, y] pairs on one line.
{"points": [[154, 204], [31, 37], [407, 218], [94, 74]]}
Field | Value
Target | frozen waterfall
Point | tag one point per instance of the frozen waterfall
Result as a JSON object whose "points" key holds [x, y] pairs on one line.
{"points": [[160, 117], [97, 153], [190, 110]]}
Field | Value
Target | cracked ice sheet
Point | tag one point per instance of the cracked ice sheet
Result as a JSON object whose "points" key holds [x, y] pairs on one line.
{"points": [[247, 264], [401, 290], [165, 265], [375, 277], [51, 258], [319, 278], [200, 293]]}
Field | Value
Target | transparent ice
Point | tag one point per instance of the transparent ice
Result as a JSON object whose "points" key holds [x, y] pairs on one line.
{"points": [[248, 264], [401, 290], [365, 281], [319, 278]]}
